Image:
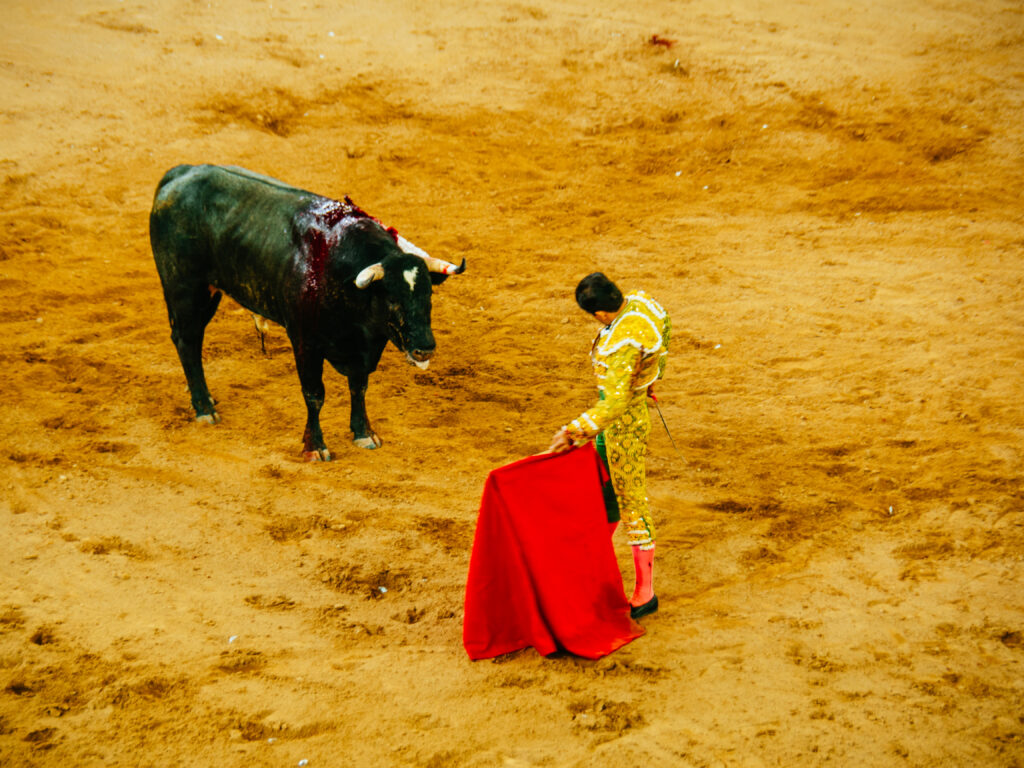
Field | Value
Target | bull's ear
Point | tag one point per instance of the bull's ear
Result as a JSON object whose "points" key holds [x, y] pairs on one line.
{"points": [[436, 278], [371, 274]]}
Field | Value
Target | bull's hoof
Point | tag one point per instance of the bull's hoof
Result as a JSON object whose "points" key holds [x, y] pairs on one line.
{"points": [[208, 418], [370, 442], [322, 455]]}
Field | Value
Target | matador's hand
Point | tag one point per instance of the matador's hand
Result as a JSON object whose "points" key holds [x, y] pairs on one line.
{"points": [[560, 442]]}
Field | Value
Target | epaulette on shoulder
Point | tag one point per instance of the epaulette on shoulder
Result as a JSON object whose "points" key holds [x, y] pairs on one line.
{"points": [[634, 328], [649, 303]]}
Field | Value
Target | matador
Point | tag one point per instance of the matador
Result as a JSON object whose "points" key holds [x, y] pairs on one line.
{"points": [[628, 356]]}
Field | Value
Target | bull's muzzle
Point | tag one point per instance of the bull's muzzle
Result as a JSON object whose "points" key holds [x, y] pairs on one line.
{"points": [[419, 357]]}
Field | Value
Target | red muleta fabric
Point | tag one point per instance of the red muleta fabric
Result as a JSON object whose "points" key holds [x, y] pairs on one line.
{"points": [[543, 570]]}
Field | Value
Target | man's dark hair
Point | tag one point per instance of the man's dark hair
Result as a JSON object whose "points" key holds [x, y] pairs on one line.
{"points": [[596, 293]]}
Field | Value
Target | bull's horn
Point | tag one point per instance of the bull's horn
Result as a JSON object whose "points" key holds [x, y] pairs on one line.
{"points": [[369, 275], [444, 267], [433, 265], [408, 247]]}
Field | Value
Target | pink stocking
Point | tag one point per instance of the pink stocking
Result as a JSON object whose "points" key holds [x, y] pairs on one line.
{"points": [[643, 564]]}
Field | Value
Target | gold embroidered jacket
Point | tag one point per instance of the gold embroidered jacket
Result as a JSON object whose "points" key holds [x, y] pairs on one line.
{"points": [[628, 356]]}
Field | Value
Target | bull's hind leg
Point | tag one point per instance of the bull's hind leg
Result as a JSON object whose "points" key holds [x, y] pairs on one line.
{"points": [[190, 312]]}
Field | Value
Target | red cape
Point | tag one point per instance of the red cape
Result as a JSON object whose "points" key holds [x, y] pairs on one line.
{"points": [[543, 571]]}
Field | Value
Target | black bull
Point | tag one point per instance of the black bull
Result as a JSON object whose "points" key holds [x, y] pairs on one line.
{"points": [[332, 276]]}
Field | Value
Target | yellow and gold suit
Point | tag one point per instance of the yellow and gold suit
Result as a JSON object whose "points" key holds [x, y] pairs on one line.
{"points": [[628, 356]]}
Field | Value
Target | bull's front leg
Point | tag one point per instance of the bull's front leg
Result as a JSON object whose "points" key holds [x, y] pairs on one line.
{"points": [[362, 433], [310, 366]]}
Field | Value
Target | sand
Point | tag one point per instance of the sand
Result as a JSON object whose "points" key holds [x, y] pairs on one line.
{"points": [[825, 195]]}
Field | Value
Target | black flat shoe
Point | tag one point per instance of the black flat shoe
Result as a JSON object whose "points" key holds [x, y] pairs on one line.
{"points": [[636, 611]]}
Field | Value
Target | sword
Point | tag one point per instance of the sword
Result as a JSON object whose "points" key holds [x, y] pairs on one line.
{"points": [[665, 425]]}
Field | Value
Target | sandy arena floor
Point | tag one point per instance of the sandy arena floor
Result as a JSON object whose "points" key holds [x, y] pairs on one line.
{"points": [[826, 195]]}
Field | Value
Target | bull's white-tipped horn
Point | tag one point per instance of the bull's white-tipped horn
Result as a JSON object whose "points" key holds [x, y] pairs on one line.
{"points": [[444, 267], [369, 275], [433, 265]]}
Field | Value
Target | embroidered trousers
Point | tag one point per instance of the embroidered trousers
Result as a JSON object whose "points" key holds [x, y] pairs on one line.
{"points": [[625, 451]]}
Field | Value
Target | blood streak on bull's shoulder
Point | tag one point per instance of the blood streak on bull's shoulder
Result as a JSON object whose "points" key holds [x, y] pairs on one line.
{"points": [[327, 221]]}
